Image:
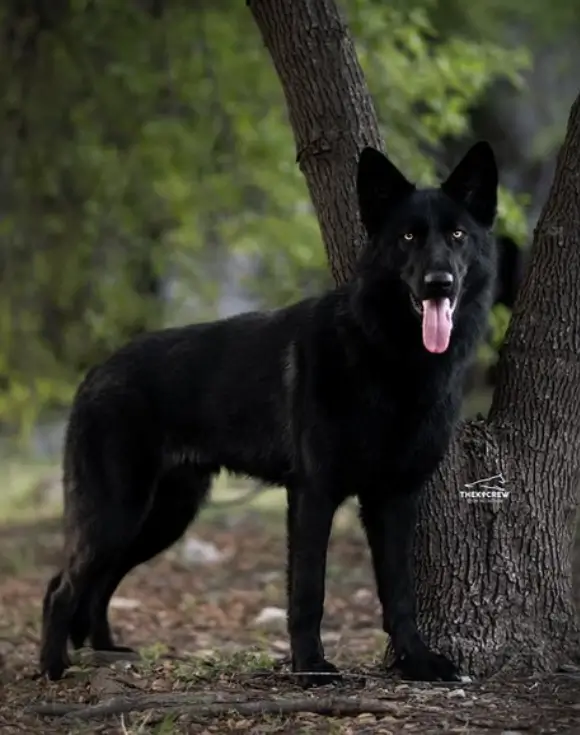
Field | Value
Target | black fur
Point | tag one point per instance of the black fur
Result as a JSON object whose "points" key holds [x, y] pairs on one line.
{"points": [[510, 271], [331, 397]]}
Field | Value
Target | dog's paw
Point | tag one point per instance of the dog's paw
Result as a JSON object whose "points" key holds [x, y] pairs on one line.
{"points": [[427, 666], [317, 674], [54, 666]]}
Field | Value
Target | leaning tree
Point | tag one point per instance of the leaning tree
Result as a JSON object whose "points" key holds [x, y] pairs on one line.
{"points": [[494, 580]]}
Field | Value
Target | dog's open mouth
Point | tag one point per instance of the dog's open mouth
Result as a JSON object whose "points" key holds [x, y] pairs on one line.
{"points": [[437, 318]]}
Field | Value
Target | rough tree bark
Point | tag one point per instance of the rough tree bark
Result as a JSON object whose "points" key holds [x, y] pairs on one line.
{"points": [[330, 109], [494, 581]]}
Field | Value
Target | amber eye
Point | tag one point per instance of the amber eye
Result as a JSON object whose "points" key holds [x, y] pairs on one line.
{"points": [[458, 234], [408, 236]]}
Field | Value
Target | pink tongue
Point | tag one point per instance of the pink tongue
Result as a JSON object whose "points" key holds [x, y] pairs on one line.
{"points": [[437, 324]]}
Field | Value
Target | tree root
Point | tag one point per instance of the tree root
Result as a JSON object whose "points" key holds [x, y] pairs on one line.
{"points": [[216, 705]]}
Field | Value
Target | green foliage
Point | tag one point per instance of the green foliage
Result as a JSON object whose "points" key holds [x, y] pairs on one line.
{"points": [[136, 143], [423, 84], [545, 22]]}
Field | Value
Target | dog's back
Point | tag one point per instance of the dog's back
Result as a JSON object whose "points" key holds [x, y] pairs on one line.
{"points": [[213, 395]]}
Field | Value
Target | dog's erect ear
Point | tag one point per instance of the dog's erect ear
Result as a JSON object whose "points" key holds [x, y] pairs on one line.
{"points": [[379, 185], [473, 183]]}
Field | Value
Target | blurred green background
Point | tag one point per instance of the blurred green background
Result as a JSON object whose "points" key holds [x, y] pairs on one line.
{"points": [[148, 176]]}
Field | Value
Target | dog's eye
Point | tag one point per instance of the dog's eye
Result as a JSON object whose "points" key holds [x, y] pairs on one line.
{"points": [[408, 236], [458, 234]]}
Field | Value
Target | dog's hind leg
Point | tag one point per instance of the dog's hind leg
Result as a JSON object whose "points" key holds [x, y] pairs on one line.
{"points": [[390, 526], [104, 512], [179, 495], [310, 516], [62, 598], [53, 584]]}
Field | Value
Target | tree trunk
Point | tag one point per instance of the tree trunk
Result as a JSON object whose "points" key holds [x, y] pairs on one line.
{"points": [[505, 570], [330, 109], [494, 579]]}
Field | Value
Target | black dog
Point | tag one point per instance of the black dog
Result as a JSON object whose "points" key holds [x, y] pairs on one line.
{"points": [[352, 393]]}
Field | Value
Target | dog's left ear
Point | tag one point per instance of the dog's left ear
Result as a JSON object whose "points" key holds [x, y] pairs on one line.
{"points": [[473, 183]]}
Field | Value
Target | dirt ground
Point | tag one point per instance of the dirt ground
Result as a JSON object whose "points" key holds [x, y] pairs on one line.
{"points": [[210, 665]]}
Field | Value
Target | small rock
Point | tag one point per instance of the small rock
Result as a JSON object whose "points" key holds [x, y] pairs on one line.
{"points": [[466, 679], [124, 603], [456, 693], [196, 551], [270, 615], [280, 645], [362, 595], [205, 653], [269, 577], [331, 636]]}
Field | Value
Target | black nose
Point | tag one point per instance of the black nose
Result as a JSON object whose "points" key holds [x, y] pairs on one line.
{"points": [[438, 278]]}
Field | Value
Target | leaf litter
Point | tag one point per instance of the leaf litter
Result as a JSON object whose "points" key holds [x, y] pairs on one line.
{"points": [[213, 652]]}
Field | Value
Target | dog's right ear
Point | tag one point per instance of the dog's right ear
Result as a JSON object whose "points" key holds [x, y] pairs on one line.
{"points": [[379, 185]]}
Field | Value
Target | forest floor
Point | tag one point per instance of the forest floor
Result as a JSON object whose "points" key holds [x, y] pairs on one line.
{"points": [[213, 649]]}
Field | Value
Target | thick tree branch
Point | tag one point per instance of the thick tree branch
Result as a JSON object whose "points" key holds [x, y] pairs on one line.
{"points": [[539, 369], [216, 705], [330, 109]]}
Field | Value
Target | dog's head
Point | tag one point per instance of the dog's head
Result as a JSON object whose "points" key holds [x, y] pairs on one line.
{"points": [[430, 239]]}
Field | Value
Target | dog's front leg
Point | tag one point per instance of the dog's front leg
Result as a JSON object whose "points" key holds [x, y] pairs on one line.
{"points": [[310, 515], [390, 527]]}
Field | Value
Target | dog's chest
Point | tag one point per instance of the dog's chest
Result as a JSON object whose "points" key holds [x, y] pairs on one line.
{"points": [[397, 424]]}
